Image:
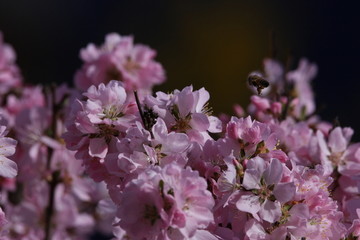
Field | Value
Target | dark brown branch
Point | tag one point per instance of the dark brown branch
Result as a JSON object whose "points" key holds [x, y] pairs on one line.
{"points": [[146, 125], [53, 180]]}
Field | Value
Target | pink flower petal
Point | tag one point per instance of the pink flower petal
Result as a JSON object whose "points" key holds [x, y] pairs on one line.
{"points": [[8, 168], [284, 192], [7, 146], [337, 141], [250, 203], [215, 125], [251, 179], [270, 211], [98, 147], [200, 122], [274, 172]]}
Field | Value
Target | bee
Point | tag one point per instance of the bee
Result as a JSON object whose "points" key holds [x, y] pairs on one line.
{"points": [[258, 81]]}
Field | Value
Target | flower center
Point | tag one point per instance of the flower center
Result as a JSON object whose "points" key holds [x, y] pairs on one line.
{"points": [[181, 125], [112, 113], [131, 66], [265, 192], [151, 214], [159, 154], [336, 158], [105, 131]]}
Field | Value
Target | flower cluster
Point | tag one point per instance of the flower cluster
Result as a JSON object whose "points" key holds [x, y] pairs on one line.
{"points": [[9, 72], [8, 168], [109, 156], [280, 173], [119, 59]]}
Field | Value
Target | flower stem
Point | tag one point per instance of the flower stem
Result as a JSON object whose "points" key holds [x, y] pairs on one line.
{"points": [[55, 176]]}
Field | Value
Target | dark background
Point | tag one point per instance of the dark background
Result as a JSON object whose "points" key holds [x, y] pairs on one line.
{"points": [[211, 43]]}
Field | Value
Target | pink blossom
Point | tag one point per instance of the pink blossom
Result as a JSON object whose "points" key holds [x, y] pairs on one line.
{"points": [[167, 146], [264, 181], [24, 218], [137, 150], [325, 219], [29, 97], [106, 105], [338, 152], [105, 211], [8, 167], [186, 111], [301, 78], [247, 138], [10, 76], [31, 125], [3, 222], [350, 206], [94, 126], [119, 59], [72, 174], [68, 216], [349, 185], [310, 182], [299, 141], [130, 157], [320, 217], [162, 198], [207, 159], [355, 227], [264, 109], [274, 72], [255, 231]]}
